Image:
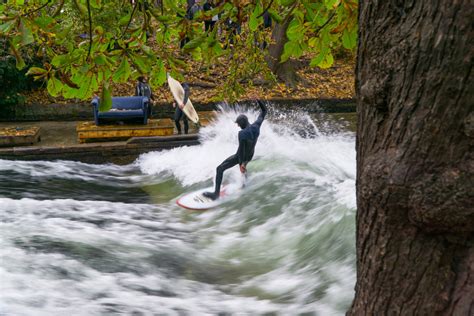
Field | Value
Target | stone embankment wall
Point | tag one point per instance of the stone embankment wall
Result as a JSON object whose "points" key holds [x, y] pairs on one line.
{"points": [[83, 111]]}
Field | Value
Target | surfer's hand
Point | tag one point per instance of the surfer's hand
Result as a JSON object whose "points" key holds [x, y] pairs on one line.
{"points": [[174, 105], [181, 106], [243, 168]]}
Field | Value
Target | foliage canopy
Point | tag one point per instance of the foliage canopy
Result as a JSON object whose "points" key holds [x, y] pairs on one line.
{"points": [[86, 45]]}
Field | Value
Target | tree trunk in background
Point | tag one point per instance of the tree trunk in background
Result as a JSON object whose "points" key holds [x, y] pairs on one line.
{"points": [[284, 71], [415, 217]]}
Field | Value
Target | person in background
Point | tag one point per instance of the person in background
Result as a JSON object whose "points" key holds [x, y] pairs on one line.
{"points": [[193, 7], [143, 89], [209, 23], [178, 114], [248, 136]]}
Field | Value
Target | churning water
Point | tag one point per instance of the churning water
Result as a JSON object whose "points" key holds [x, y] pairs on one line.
{"points": [[80, 239]]}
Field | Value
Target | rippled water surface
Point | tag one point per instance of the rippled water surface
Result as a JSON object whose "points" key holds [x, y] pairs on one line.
{"points": [[79, 239]]}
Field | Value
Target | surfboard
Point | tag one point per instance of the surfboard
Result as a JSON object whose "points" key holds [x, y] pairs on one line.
{"points": [[198, 202], [178, 94]]}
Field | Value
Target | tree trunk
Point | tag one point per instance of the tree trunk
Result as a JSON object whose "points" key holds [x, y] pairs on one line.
{"points": [[284, 71], [415, 166]]}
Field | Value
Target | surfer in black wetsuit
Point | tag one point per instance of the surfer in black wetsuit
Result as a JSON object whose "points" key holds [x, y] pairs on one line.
{"points": [[248, 137], [178, 114]]}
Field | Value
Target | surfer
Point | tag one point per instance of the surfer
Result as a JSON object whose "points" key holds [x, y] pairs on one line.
{"points": [[178, 114], [248, 137]]}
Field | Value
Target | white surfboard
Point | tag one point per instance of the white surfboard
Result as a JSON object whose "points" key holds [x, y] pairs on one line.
{"points": [[197, 201], [178, 95]]}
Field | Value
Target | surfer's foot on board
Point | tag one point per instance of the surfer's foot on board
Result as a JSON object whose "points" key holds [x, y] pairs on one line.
{"points": [[211, 195]]}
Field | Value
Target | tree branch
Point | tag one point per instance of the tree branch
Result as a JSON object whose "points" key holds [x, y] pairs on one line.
{"points": [[61, 5], [131, 17], [293, 6], [90, 27], [268, 7], [326, 23], [37, 9]]}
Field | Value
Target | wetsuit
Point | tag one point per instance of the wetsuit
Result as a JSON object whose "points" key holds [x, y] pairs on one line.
{"points": [[178, 114], [248, 137]]}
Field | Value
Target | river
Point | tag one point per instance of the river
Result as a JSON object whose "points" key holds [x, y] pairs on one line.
{"points": [[81, 239]]}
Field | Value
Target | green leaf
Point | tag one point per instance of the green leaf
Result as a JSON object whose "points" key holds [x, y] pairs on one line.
{"points": [[105, 98], [44, 21], [253, 23], [254, 20], [59, 60], [124, 20], [26, 34], [7, 26], [36, 72], [323, 60], [291, 48], [295, 31], [163, 18], [158, 76], [275, 16], [141, 63], [123, 72], [309, 11], [20, 2], [320, 19], [331, 4], [194, 43], [100, 60], [54, 86], [88, 85], [349, 38], [20, 62], [217, 48], [81, 7], [327, 62], [96, 4], [287, 2]]}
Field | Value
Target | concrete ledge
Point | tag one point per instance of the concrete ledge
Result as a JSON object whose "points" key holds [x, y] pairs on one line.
{"points": [[15, 136]]}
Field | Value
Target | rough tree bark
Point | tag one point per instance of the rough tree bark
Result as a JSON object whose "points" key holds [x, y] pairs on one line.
{"points": [[415, 164]]}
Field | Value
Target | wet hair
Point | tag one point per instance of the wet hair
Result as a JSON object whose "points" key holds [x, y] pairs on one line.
{"points": [[141, 78], [242, 121]]}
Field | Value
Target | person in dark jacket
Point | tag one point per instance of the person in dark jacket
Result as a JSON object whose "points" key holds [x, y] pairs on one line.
{"points": [[209, 22], [179, 114], [248, 137], [143, 89]]}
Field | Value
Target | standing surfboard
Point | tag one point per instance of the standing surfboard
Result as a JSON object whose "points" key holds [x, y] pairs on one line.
{"points": [[198, 202], [178, 95]]}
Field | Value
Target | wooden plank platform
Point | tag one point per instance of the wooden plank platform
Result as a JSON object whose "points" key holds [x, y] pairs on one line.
{"points": [[19, 136], [88, 131]]}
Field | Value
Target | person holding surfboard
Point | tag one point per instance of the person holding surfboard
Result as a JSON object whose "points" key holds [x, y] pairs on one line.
{"points": [[178, 114], [248, 136]]}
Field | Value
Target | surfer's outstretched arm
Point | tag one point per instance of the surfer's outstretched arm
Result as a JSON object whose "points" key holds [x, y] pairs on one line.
{"points": [[263, 112]]}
